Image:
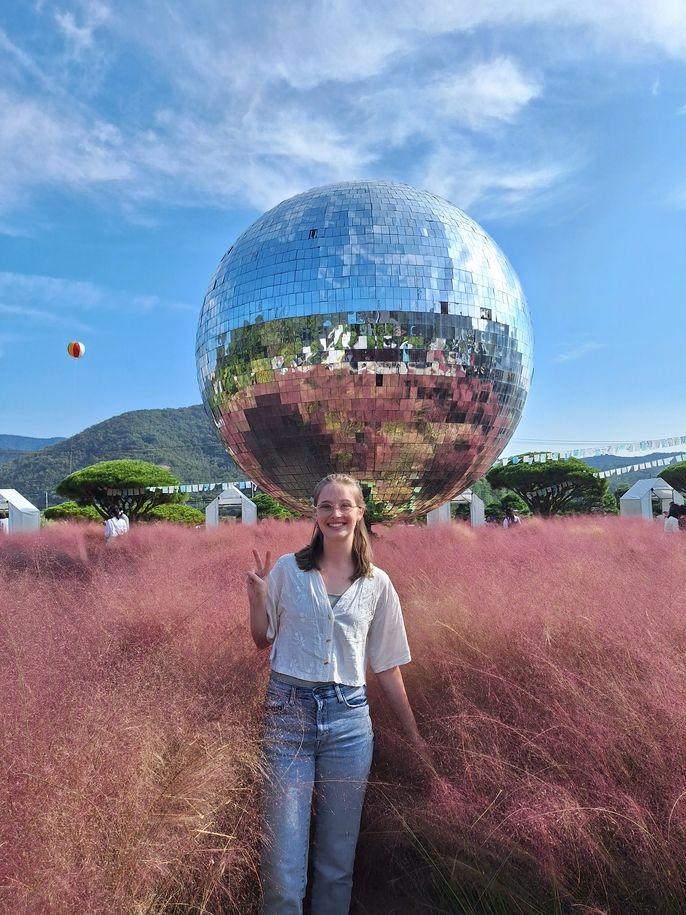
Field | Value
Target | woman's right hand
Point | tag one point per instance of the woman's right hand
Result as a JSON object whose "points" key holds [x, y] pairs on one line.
{"points": [[256, 579]]}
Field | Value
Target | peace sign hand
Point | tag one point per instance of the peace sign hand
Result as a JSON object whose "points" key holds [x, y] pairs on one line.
{"points": [[256, 580]]}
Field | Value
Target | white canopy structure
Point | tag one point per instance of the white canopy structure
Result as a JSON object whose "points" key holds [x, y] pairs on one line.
{"points": [[231, 496], [477, 511], [637, 501], [22, 515]]}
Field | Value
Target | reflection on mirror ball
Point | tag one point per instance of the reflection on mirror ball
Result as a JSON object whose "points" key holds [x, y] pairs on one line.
{"points": [[368, 328]]}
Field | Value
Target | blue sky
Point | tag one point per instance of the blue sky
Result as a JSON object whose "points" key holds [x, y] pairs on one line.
{"points": [[138, 139]]}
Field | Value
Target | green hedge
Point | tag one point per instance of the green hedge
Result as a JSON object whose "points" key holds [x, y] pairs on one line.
{"points": [[70, 511], [177, 514]]}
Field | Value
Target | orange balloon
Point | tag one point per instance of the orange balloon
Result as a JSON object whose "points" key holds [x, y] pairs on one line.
{"points": [[76, 349]]}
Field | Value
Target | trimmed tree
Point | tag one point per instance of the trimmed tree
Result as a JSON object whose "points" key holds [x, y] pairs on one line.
{"points": [[675, 475], [552, 487], [113, 484], [176, 514], [70, 511], [609, 504], [622, 490], [269, 507], [515, 502]]}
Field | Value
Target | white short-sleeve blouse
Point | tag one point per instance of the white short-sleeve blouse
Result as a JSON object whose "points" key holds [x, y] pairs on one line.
{"points": [[313, 641]]}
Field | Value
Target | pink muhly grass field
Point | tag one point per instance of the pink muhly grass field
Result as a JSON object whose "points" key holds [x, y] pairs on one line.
{"points": [[548, 677]]}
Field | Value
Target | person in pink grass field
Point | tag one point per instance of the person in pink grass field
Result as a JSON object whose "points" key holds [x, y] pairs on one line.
{"points": [[327, 613]]}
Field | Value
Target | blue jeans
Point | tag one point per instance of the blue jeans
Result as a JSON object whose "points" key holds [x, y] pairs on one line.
{"points": [[315, 741]]}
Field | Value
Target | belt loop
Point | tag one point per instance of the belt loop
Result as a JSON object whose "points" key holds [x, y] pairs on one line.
{"points": [[339, 694]]}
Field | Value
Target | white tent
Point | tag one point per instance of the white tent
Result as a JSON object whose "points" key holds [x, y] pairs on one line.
{"points": [[637, 501], [231, 496], [477, 512], [22, 515]]}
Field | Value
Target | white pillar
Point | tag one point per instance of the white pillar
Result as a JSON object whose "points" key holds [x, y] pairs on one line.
{"points": [[231, 496], [477, 511], [248, 511], [212, 513], [440, 515]]}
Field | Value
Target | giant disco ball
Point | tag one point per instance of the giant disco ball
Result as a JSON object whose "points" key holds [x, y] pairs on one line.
{"points": [[368, 328]]}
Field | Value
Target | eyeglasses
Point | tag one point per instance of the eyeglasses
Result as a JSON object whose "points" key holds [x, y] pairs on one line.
{"points": [[345, 508]]}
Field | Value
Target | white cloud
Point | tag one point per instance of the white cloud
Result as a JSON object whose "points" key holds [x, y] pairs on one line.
{"points": [[14, 231], [22, 289], [40, 146], [56, 300], [42, 316], [495, 90], [579, 350], [480, 97], [623, 26], [497, 185], [219, 46], [17, 62], [306, 44], [278, 149], [79, 35], [230, 104]]}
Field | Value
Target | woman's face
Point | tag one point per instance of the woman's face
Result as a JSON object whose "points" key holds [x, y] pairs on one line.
{"points": [[337, 511]]}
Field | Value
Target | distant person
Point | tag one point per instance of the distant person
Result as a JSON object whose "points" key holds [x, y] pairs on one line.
{"points": [[4, 525], [510, 518], [116, 525], [682, 518], [672, 519]]}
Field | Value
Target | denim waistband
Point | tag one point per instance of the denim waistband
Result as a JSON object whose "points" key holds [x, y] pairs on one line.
{"points": [[327, 690], [295, 681]]}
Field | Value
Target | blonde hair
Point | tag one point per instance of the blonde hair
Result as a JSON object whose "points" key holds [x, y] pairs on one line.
{"points": [[310, 556]]}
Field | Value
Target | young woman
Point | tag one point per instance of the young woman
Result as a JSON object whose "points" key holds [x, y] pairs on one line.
{"points": [[326, 612], [672, 519], [510, 518]]}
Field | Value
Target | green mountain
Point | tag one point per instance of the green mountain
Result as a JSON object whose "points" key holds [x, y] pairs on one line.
{"points": [[612, 461], [183, 439], [25, 442], [15, 446]]}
